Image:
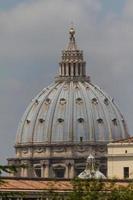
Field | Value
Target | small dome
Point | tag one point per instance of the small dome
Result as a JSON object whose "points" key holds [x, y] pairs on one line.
{"points": [[58, 114]]}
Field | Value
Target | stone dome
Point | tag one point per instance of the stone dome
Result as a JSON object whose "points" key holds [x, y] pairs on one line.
{"points": [[72, 109]]}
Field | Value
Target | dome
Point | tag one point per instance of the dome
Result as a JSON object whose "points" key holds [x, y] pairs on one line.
{"points": [[69, 111], [72, 109]]}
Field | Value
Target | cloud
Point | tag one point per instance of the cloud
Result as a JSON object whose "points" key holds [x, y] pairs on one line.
{"points": [[33, 34]]}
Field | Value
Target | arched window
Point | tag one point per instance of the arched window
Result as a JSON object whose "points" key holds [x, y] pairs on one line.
{"points": [[37, 170], [59, 171]]}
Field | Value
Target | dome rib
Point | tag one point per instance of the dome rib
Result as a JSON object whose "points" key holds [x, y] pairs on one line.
{"points": [[55, 118], [52, 112], [89, 113], [105, 114], [83, 91], [119, 115], [71, 113], [36, 132]]}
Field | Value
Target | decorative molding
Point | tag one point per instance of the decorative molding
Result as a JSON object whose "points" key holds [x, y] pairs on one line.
{"points": [[40, 150], [58, 149], [25, 150]]}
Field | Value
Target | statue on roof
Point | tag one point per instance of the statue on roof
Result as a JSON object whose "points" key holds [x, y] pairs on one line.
{"points": [[91, 171]]}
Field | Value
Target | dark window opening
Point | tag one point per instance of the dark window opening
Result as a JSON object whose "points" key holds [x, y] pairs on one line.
{"points": [[100, 120], [80, 120], [83, 70], [59, 172], [28, 121], [38, 171], [95, 101], [81, 139], [126, 172], [114, 121], [41, 120], [74, 69], [69, 69], [106, 101], [60, 120], [79, 69]]}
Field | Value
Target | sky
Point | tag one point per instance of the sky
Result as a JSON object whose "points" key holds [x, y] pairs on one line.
{"points": [[32, 35]]}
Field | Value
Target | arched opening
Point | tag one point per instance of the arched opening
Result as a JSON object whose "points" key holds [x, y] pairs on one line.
{"points": [[69, 69], [74, 69], [59, 171], [79, 69], [37, 170]]}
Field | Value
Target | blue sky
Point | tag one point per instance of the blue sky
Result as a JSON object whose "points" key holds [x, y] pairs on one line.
{"points": [[32, 35]]}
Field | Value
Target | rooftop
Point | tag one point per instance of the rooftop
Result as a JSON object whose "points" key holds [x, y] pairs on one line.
{"points": [[41, 184], [127, 140]]}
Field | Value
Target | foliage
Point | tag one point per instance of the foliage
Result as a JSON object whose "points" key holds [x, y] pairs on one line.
{"points": [[99, 190], [7, 169]]}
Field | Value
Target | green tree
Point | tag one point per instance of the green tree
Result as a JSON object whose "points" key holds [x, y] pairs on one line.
{"points": [[7, 169], [100, 190]]}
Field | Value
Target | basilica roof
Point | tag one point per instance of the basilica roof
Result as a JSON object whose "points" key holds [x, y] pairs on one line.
{"points": [[72, 109], [11, 184]]}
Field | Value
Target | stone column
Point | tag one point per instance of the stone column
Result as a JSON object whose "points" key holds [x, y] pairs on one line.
{"points": [[24, 168], [81, 69], [66, 172], [67, 69], [42, 168], [84, 72], [63, 70], [60, 70], [72, 70], [76, 69], [30, 170], [69, 173], [46, 169], [71, 170]]}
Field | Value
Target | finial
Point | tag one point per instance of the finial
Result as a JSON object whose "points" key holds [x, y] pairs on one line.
{"points": [[72, 33]]}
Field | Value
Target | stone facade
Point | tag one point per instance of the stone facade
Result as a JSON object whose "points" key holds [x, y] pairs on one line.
{"points": [[57, 161]]}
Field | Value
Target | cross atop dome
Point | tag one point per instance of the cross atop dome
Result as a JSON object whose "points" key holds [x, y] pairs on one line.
{"points": [[72, 44], [72, 32]]}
